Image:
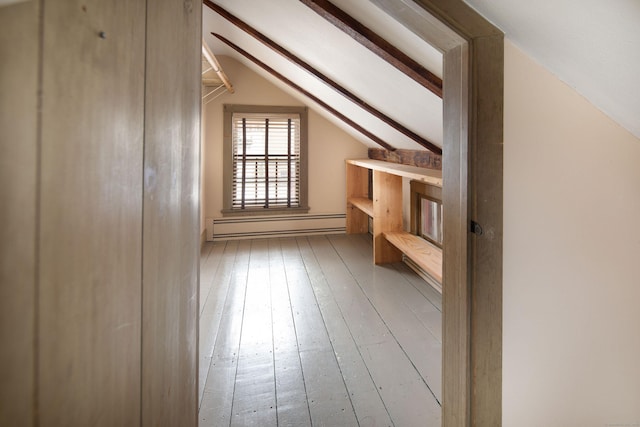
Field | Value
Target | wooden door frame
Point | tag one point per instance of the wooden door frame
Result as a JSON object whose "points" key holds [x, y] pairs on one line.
{"points": [[473, 53]]}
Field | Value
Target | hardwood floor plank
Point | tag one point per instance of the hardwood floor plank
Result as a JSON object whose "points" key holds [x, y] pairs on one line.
{"points": [[367, 403], [434, 296], [215, 407], [397, 302], [209, 261], [409, 401], [365, 245], [327, 395], [219, 388], [291, 396], [254, 399], [310, 329], [375, 341], [312, 333], [329, 400], [210, 318], [432, 319]]}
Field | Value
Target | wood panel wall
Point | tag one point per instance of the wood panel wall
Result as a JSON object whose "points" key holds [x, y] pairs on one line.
{"points": [[99, 212], [90, 213], [171, 226], [18, 172]]}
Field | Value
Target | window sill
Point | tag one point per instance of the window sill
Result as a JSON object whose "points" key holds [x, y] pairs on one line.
{"points": [[263, 212]]}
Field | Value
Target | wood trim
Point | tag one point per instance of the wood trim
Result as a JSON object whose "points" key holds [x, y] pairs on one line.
{"points": [[170, 230], [215, 66], [472, 173], [362, 203], [357, 180], [421, 189], [305, 92], [20, 134], [227, 165], [387, 215], [424, 254], [419, 158], [322, 77], [486, 171], [433, 177], [455, 295], [376, 44], [90, 214]]}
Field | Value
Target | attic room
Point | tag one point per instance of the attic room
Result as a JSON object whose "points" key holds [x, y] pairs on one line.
{"points": [[358, 105], [104, 284]]}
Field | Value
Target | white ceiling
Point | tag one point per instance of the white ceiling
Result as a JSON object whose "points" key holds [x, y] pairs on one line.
{"points": [[592, 45], [316, 41]]}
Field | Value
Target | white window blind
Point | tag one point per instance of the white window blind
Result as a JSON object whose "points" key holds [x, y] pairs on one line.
{"points": [[266, 160]]}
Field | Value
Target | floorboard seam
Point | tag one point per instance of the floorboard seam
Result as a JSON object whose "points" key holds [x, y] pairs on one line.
{"points": [[357, 281]]}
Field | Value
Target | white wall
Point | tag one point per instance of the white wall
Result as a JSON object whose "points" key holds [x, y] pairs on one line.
{"points": [[328, 147], [571, 257]]}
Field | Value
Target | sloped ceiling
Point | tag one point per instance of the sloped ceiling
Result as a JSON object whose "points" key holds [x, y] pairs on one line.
{"points": [[313, 39], [592, 45]]}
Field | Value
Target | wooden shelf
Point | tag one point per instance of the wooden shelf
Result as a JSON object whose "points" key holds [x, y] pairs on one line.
{"points": [[430, 176], [364, 204], [390, 242], [421, 252]]}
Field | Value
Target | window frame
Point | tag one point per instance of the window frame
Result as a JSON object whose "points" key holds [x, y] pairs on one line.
{"points": [[422, 190], [227, 140]]}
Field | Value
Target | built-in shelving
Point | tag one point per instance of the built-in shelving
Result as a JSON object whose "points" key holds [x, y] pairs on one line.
{"points": [[390, 241], [364, 204]]}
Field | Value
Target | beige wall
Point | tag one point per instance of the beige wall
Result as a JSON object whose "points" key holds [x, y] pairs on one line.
{"points": [[571, 257], [329, 146]]}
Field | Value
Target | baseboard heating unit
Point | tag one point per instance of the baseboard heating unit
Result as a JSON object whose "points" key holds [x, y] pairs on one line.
{"points": [[274, 226]]}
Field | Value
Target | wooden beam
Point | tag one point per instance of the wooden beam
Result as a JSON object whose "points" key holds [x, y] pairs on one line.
{"points": [[306, 93], [376, 44], [421, 159], [324, 78]]}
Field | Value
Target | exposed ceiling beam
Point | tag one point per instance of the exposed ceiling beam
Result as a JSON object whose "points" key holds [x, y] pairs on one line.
{"points": [[376, 44], [324, 78], [306, 93], [419, 158]]}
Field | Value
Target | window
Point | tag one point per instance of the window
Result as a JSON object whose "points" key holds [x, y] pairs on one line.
{"points": [[265, 159], [430, 220], [426, 212]]}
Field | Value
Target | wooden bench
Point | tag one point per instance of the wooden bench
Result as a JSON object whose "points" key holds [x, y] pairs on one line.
{"points": [[426, 255]]}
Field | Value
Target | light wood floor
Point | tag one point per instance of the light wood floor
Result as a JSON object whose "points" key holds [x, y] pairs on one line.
{"points": [[307, 331]]}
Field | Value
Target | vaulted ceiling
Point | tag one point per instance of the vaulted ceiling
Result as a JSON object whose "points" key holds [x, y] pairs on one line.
{"points": [[314, 40], [593, 46]]}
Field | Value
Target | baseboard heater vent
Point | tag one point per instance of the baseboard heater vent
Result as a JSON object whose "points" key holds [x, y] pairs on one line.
{"points": [[423, 274], [274, 226]]}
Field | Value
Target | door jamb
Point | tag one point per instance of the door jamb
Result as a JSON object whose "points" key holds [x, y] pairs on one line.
{"points": [[473, 56]]}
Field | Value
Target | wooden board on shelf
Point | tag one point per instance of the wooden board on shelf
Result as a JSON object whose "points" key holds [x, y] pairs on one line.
{"points": [[431, 176], [421, 252], [357, 188], [387, 215], [362, 203]]}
